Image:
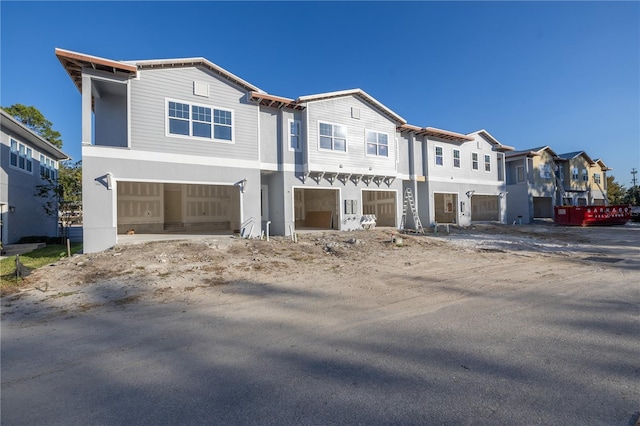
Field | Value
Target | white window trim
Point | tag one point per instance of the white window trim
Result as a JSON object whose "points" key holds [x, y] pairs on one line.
{"points": [[366, 153], [575, 173], [41, 164], [478, 161], [198, 138], [435, 155], [484, 163], [32, 159], [523, 175], [346, 140], [299, 148], [453, 158]]}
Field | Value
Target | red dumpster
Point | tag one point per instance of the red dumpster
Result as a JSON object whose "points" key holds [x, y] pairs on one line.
{"points": [[593, 215]]}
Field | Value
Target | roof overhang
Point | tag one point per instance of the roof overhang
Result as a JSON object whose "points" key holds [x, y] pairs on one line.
{"points": [[603, 166], [436, 133], [572, 155], [275, 101], [74, 62], [498, 146], [195, 62], [32, 137], [354, 92]]}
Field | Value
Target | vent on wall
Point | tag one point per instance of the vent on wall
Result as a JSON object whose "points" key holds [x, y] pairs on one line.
{"points": [[355, 113], [200, 89]]}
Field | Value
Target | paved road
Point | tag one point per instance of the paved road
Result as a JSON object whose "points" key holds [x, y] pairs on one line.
{"points": [[557, 347]]}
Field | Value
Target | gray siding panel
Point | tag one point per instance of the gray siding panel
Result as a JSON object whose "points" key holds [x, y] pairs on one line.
{"points": [[269, 135], [338, 111], [148, 113]]}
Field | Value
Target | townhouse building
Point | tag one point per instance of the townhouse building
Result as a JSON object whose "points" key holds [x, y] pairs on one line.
{"points": [[457, 178], [183, 145], [26, 161], [538, 180]]}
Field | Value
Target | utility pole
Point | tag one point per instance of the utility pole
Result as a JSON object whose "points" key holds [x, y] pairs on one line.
{"points": [[634, 180]]}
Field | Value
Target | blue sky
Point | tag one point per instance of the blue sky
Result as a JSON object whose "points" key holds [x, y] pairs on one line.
{"points": [[563, 74]]}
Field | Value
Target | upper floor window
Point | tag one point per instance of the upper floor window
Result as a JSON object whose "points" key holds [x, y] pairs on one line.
{"points": [[585, 175], [474, 161], [456, 158], [520, 173], [574, 173], [377, 144], [48, 167], [199, 121], [487, 163], [21, 156], [439, 156], [333, 137], [545, 171], [596, 178], [294, 134]]}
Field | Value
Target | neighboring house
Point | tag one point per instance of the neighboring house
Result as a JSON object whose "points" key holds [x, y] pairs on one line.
{"points": [[184, 145], [456, 178], [585, 179], [27, 160], [534, 184], [598, 175], [538, 179]]}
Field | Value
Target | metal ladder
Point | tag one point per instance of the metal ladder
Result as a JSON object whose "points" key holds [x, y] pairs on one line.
{"points": [[408, 200]]}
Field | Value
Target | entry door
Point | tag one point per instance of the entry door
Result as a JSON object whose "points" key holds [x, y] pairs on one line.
{"points": [[173, 206]]}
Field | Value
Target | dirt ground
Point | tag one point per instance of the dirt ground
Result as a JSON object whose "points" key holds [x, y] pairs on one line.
{"points": [[198, 271], [490, 324]]}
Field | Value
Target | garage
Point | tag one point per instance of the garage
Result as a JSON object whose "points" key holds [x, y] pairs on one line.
{"points": [[316, 208], [446, 207], [382, 204], [156, 208], [485, 208], [542, 207]]}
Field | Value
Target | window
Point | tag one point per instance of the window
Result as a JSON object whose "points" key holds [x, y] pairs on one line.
{"points": [[545, 171], [294, 134], [21, 156], [222, 124], [201, 121], [474, 161], [377, 144], [585, 175], [333, 137], [456, 158], [198, 120], [487, 163], [596, 178], [48, 168], [574, 173], [520, 173], [439, 156], [178, 118]]}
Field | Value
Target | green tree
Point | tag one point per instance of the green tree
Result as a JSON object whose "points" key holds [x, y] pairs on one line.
{"points": [[31, 117], [615, 191], [632, 196]]}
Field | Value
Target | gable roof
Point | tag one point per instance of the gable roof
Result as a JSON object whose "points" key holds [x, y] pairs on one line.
{"points": [[532, 152], [435, 132], [32, 137], [74, 62], [354, 92], [572, 155], [602, 165], [486, 135]]}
